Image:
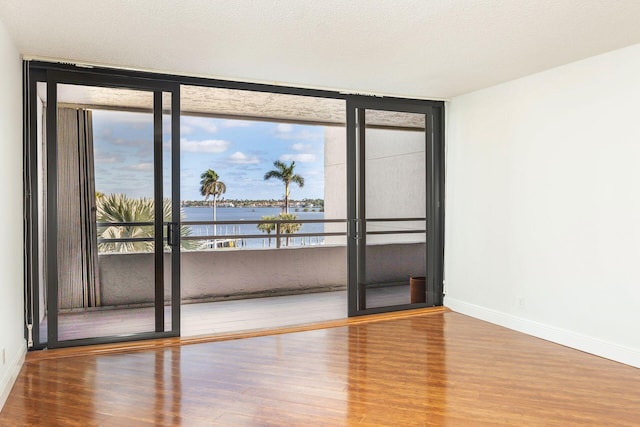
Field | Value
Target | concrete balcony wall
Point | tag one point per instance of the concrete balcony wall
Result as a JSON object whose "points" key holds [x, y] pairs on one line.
{"points": [[209, 275], [206, 275], [395, 263]]}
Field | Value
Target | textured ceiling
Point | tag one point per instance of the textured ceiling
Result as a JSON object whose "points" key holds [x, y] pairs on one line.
{"points": [[413, 48], [230, 103]]}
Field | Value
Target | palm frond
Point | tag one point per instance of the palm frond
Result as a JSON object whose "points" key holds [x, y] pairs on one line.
{"points": [[118, 208]]}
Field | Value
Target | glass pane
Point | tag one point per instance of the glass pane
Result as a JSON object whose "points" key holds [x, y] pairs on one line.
{"points": [[392, 250], [167, 203], [40, 312], [106, 265], [261, 252]]}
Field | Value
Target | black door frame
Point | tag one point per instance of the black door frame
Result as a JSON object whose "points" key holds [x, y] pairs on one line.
{"points": [[35, 71], [356, 209], [55, 77]]}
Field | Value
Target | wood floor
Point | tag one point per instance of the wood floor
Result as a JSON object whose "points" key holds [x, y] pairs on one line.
{"points": [[426, 369]]}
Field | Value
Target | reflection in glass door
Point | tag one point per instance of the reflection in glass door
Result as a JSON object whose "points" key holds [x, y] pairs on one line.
{"points": [[392, 205], [111, 211]]}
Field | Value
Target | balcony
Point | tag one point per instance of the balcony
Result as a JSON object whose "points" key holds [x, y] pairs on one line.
{"points": [[232, 289]]}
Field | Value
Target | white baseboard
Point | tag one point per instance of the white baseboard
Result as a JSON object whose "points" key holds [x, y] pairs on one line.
{"points": [[11, 373], [608, 350]]}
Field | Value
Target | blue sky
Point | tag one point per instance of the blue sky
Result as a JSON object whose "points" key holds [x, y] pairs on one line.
{"points": [[241, 152]]}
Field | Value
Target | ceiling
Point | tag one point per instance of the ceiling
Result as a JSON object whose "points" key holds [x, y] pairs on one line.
{"points": [[413, 48], [230, 103]]}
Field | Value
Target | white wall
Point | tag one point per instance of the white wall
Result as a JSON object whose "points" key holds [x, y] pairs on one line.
{"points": [[335, 182], [11, 253], [543, 205]]}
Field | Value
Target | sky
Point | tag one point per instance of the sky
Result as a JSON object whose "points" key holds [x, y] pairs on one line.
{"points": [[240, 152]]}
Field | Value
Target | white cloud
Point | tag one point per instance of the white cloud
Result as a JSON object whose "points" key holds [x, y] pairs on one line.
{"points": [[236, 123], [284, 128], [299, 146], [307, 135], [286, 131], [240, 158], [205, 146], [108, 158], [142, 167], [302, 158], [188, 123]]}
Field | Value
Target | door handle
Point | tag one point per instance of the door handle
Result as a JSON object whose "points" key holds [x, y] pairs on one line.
{"points": [[355, 232], [171, 234]]}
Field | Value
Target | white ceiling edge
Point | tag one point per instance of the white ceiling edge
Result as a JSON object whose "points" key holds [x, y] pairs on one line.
{"points": [[596, 57], [89, 65]]}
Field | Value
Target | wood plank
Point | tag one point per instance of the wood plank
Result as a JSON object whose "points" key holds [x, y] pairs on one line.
{"points": [[414, 370]]}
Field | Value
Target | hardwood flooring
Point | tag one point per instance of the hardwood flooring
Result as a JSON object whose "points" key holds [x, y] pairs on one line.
{"points": [[424, 369]]}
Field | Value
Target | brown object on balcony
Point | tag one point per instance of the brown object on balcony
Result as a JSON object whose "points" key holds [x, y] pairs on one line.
{"points": [[418, 289]]}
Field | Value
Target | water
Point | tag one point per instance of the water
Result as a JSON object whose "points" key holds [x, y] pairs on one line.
{"points": [[250, 214]]}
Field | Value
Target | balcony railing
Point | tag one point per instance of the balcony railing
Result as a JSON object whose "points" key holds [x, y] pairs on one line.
{"points": [[280, 234], [374, 227], [106, 225], [206, 275]]}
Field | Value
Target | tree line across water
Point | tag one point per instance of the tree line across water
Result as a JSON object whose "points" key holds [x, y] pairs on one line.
{"points": [[295, 204]]}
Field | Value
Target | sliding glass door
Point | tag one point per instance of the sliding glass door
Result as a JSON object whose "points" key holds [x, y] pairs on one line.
{"points": [[394, 202], [103, 205], [110, 183]]}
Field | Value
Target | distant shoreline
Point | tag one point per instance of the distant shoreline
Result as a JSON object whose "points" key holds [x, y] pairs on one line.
{"points": [[227, 203]]}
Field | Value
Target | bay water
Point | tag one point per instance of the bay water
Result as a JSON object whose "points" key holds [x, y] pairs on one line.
{"points": [[250, 214]]}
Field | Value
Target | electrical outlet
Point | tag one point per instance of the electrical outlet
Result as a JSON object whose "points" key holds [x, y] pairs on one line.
{"points": [[521, 303]]}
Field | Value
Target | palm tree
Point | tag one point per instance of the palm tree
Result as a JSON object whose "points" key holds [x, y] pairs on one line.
{"points": [[210, 185], [286, 228], [267, 227], [285, 174], [289, 227], [118, 208]]}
